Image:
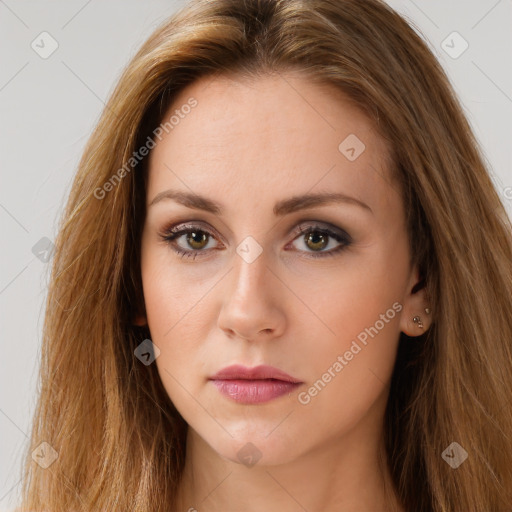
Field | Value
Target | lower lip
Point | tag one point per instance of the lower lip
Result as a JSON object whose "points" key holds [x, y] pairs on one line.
{"points": [[254, 391]]}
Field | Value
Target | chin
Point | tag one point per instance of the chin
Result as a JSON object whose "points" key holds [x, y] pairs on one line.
{"points": [[256, 448]]}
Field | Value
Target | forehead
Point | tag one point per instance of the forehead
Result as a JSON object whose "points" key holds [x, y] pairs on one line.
{"points": [[250, 140]]}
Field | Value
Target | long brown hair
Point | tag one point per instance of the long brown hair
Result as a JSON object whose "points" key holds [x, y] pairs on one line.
{"points": [[120, 441]]}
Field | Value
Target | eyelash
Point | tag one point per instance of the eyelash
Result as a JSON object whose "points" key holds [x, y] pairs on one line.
{"points": [[170, 234]]}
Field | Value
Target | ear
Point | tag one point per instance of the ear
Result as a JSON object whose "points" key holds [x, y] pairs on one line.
{"points": [[416, 306], [140, 316], [140, 320]]}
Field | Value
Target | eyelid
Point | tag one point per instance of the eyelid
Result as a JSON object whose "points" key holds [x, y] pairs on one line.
{"points": [[178, 227], [307, 225]]}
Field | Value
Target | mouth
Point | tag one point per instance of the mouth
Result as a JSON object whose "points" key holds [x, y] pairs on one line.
{"points": [[254, 385]]}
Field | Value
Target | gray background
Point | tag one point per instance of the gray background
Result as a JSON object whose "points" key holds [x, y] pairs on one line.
{"points": [[48, 108]]}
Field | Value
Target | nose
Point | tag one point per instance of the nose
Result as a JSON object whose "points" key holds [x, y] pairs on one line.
{"points": [[252, 308]]}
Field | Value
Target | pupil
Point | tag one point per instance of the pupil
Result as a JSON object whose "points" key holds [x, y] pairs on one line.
{"points": [[315, 240], [196, 234]]}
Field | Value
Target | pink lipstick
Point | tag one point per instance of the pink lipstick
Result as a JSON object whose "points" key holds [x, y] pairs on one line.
{"points": [[254, 385]]}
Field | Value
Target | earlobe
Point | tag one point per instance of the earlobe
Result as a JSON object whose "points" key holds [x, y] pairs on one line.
{"points": [[139, 316], [417, 313], [419, 321], [140, 320], [416, 324]]}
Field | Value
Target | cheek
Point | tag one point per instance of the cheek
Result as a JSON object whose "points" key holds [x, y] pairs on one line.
{"points": [[348, 374], [365, 290], [352, 362], [358, 359], [170, 296], [177, 318]]}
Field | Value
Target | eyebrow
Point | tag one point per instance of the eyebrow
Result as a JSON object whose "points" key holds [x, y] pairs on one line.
{"points": [[281, 208]]}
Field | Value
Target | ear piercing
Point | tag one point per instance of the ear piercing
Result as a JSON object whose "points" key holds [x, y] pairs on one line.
{"points": [[417, 320]]}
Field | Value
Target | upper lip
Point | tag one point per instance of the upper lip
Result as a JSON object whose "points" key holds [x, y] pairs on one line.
{"points": [[256, 373]]}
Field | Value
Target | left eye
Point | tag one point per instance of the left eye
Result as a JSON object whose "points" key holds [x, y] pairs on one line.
{"points": [[317, 238], [314, 237]]}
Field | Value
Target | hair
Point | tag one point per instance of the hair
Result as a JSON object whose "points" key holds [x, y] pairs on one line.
{"points": [[120, 441]]}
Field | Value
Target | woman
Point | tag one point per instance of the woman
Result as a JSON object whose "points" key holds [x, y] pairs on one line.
{"points": [[290, 187]]}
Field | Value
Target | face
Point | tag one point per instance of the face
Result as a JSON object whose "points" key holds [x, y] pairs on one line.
{"points": [[253, 275]]}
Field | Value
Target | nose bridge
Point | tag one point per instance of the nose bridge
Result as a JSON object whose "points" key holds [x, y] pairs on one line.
{"points": [[249, 307], [250, 272]]}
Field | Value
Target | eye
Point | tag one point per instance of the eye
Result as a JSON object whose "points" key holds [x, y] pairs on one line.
{"points": [[193, 236], [195, 240], [317, 238]]}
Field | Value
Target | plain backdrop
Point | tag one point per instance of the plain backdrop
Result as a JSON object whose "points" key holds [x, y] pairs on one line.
{"points": [[49, 106]]}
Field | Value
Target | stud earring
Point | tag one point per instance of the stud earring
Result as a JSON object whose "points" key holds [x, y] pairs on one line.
{"points": [[427, 310], [417, 320]]}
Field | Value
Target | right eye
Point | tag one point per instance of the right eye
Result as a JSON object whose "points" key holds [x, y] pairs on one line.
{"points": [[194, 236]]}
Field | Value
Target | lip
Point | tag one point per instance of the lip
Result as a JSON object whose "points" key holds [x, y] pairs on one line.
{"points": [[254, 385], [261, 372]]}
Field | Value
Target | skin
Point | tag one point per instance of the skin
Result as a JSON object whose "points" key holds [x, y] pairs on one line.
{"points": [[248, 144]]}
